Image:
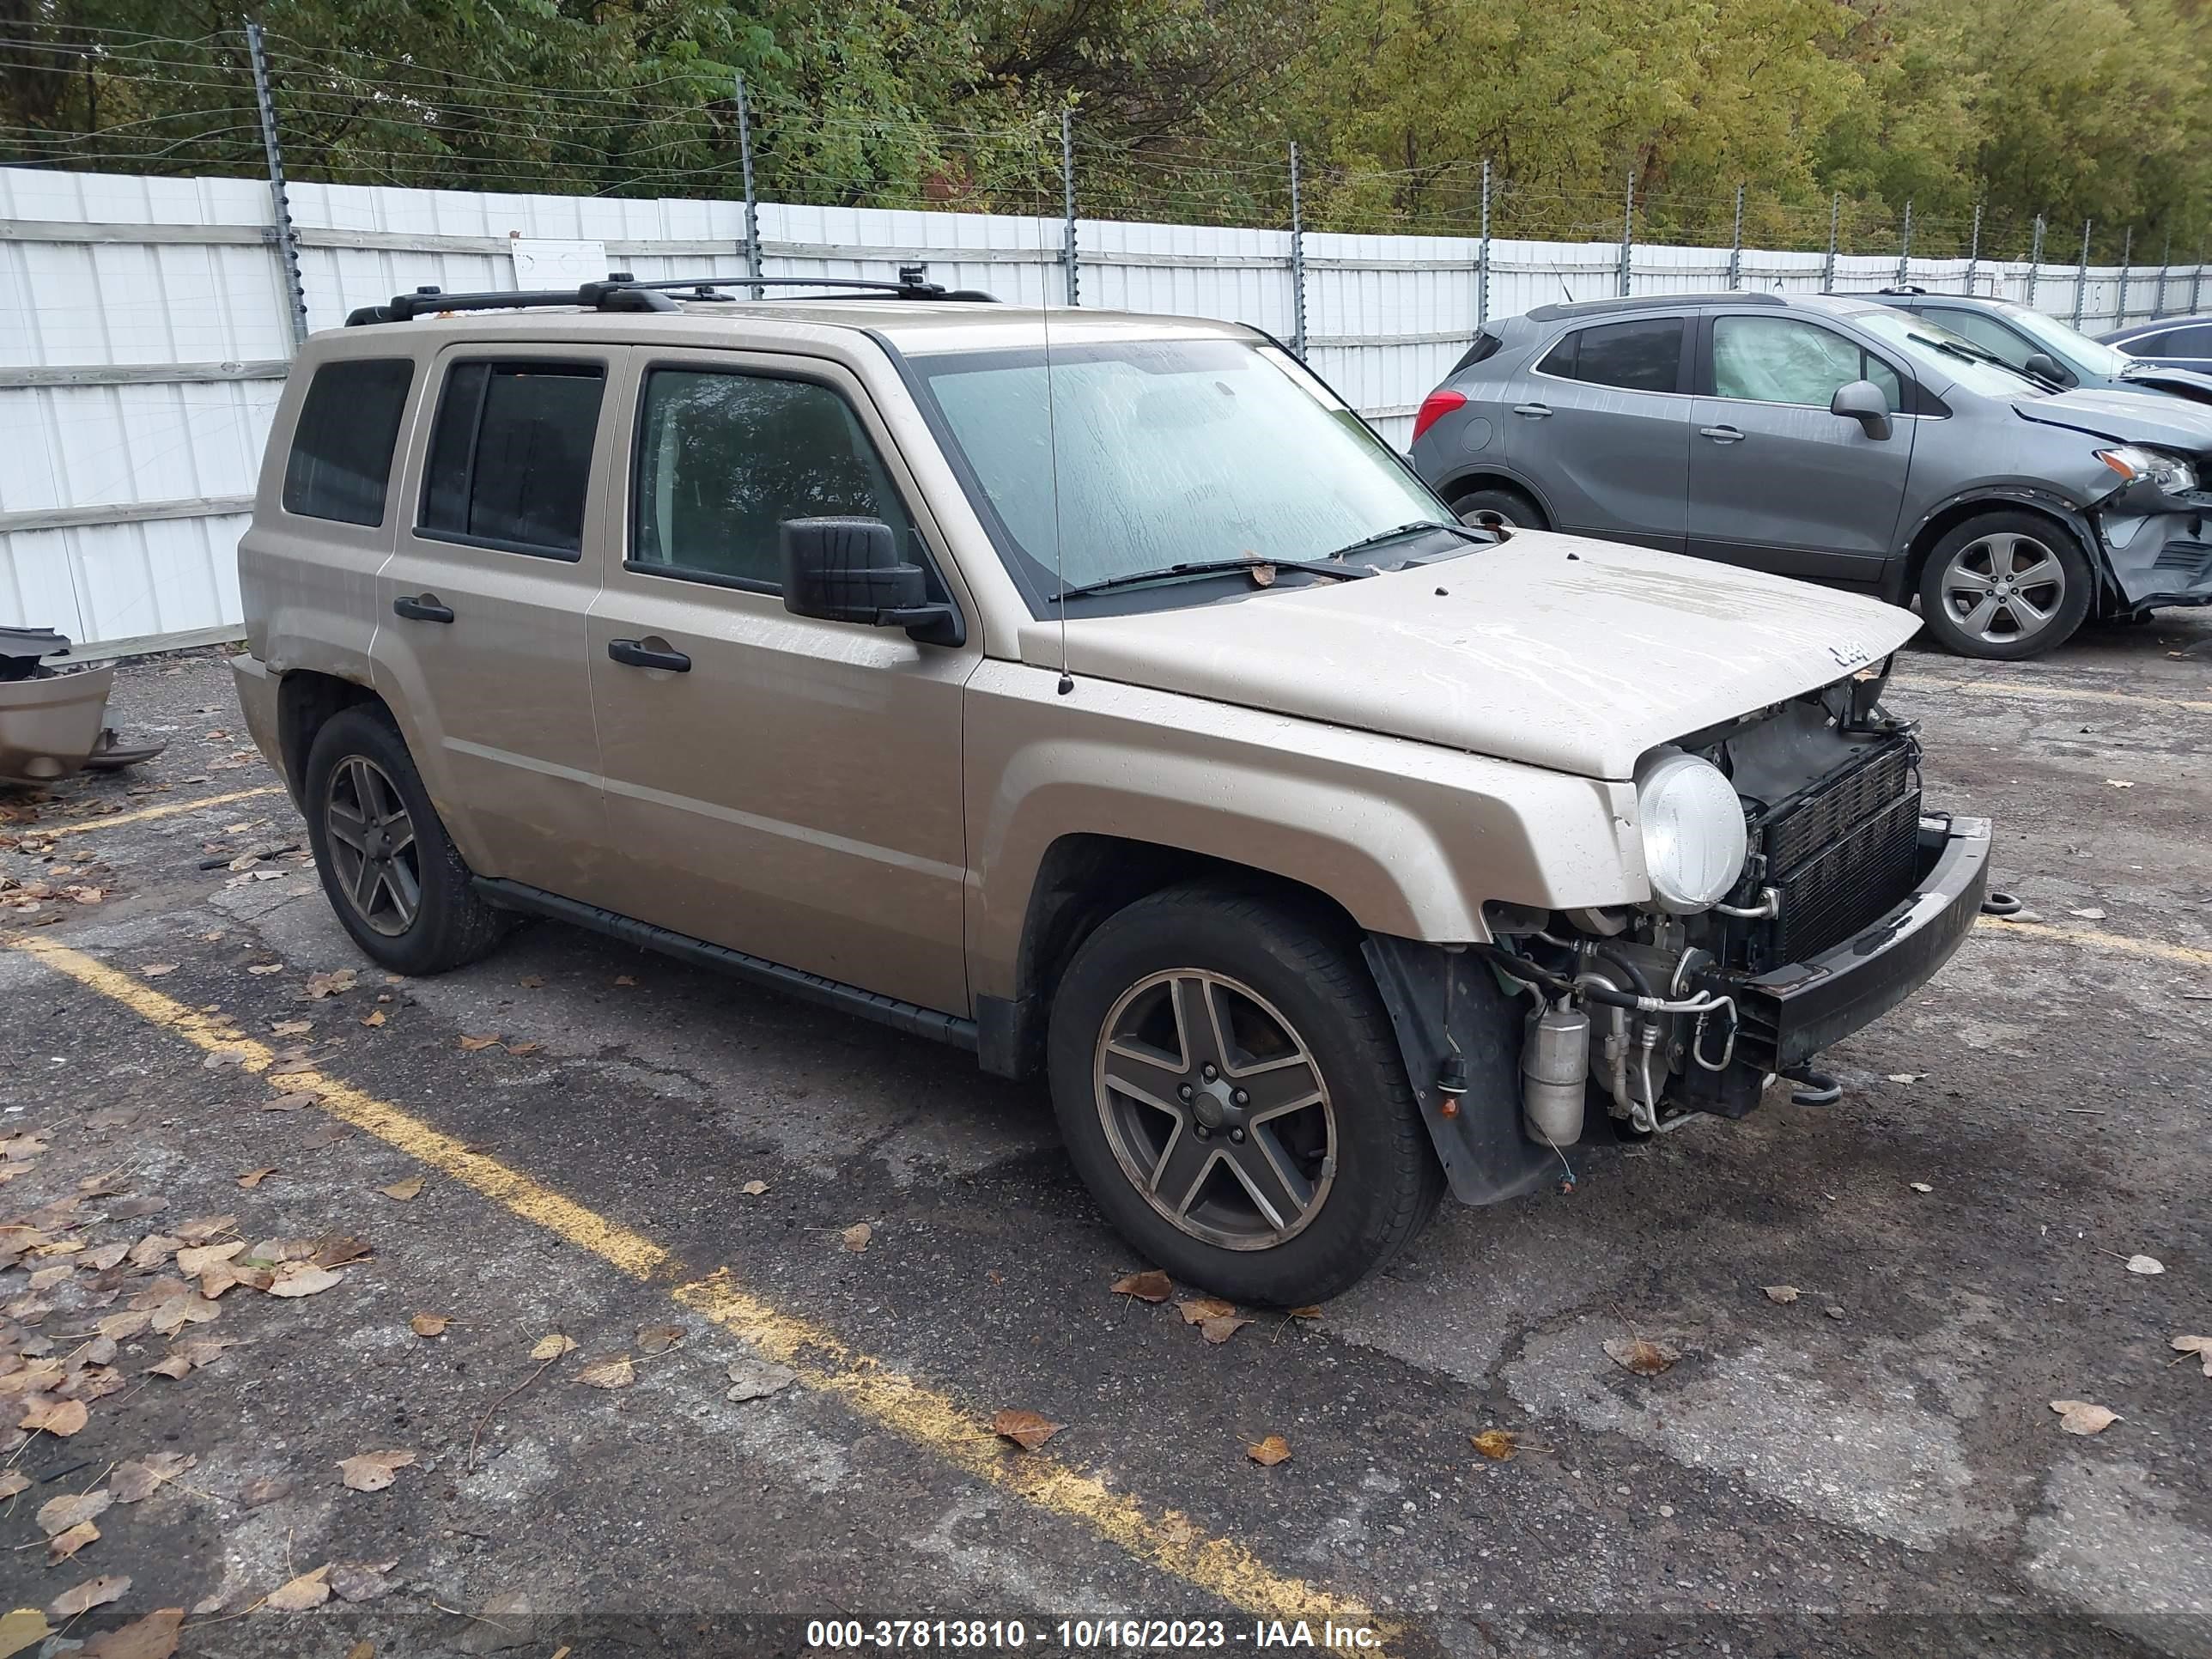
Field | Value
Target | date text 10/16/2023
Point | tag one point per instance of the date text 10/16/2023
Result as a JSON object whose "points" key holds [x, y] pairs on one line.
{"points": [[1086, 1635]]}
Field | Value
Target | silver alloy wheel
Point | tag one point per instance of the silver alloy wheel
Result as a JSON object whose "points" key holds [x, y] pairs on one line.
{"points": [[373, 849], [1215, 1108], [2003, 587]]}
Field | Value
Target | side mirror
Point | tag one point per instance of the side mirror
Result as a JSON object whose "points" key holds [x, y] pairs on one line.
{"points": [[1861, 401], [2043, 363], [849, 570]]}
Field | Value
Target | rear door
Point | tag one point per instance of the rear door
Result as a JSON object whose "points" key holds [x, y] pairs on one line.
{"points": [[787, 787], [480, 646], [1777, 482], [1603, 426]]}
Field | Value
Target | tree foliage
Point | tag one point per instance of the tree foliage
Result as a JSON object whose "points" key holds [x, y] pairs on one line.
{"points": [[1183, 108]]}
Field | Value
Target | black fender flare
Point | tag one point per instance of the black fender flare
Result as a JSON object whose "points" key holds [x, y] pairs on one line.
{"points": [[1898, 574]]}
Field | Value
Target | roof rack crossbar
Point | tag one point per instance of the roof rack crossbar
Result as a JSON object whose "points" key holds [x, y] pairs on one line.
{"points": [[620, 291]]}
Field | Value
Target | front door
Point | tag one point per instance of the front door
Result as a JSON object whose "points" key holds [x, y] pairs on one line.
{"points": [[480, 638], [1777, 481], [1603, 420], [785, 787]]}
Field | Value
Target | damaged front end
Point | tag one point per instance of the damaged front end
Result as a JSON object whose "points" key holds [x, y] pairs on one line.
{"points": [[2156, 543], [53, 722], [1844, 894]]}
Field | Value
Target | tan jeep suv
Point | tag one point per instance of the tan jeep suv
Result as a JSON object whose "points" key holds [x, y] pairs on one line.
{"points": [[1096, 693]]}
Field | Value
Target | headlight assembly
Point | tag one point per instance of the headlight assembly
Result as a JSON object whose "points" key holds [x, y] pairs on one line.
{"points": [[2170, 472], [1692, 828]]}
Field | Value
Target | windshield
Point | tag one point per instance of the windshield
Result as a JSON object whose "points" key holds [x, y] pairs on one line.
{"points": [[2067, 343], [1946, 356], [1168, 451]]}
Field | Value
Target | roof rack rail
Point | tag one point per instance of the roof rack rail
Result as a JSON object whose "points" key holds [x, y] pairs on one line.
{"points": [[620, 291]]}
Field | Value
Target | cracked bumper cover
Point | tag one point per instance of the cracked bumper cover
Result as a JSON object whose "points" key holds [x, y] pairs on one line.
{"points": [[2157, 546], [1793, 1012]]}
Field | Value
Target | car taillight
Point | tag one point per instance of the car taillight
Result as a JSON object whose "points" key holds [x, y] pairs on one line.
{"points": [[1435, 407]]}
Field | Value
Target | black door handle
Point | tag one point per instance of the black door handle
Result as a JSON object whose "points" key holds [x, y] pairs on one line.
{"points": [[421, 608], [637, 654]]}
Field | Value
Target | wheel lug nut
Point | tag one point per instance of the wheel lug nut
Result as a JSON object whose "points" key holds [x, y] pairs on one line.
{"points": [[1205, 1134], [1237, 1135], [1242, 1098], [1184, 1091], [1209, 1073]]}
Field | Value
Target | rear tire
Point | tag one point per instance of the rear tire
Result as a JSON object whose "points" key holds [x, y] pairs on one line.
{"points": [[1222, 1177], [387, 865], [1500, 505], [2004, 587]]}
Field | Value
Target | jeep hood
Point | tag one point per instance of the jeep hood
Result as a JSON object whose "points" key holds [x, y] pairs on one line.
{"points": [[1554, 650], [2147, 416]]}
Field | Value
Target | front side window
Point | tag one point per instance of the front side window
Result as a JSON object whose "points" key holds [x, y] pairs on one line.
{"points": [[340, 458], [724, 459], [1983, 332], [1148, 453], [511, 455], [1643, 355], [1779, 360]]}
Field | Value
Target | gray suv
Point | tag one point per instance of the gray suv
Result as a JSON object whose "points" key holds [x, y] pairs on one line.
{"points": [[1839, 440]]}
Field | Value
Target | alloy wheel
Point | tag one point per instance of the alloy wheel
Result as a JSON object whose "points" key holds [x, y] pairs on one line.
{"points": [[1215, 1108], [373, 849], [2004, 587]]}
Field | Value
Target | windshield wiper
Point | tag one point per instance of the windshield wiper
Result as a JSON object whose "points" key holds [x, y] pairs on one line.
{"points": [[1975, 354], [1472, 532], [1213, 568]]}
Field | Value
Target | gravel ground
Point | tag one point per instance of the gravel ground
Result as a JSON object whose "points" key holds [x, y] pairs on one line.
{"points": [[1871, 1468]]}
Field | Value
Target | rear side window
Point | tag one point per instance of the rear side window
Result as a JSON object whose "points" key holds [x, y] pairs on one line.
{"points": [[1644, 355], [512, 453], [723, 460], [1484, 344], [341, 457]]}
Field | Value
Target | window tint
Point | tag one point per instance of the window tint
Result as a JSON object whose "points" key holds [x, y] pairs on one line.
{"points": [[512, 453], [723, 460], [341, 457], [1644, 355], [2176, 342], [1985, 333], [1778, 360]]}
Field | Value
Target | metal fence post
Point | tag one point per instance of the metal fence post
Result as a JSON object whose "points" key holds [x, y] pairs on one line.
{"points": [[2165, 268], [1735, 245], [1068, 204], [1627, 233], [2197, 278], [1298, 265], [287, 240], [1482, 259], [2034, 260], [1974, 249], [752, 251], [1905, 249], [1835, 216], [2127, 250], [2082, 274]]}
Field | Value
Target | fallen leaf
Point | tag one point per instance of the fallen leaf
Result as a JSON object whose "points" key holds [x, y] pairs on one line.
{"points": [[373, 1019], [201, 1228], [1220, 1330], [23, 1629], [404, 1191], [360, 1581], [2090, 915], [157, 970], [1920, 1187], [1311, 1310], [60, 1514], [624, 979], [253, 1178], [46, 1278], [613, 1372], [177, 1312], [1641, 1355], [93, 1593], [59, 1417], [755, 1379], [196, 1260], [2145, 1264], [1027, 1430], [330, 985], [368, 1651], [154, 1636], [522, 1047], [1269, 1452], [2199, 1345], [532, 982], [429, 1324], [301, 1279], [659, 1339], [552, 1347], [266, 967], [122, 1327], [1497, 1444], [857, 1235], [337, 1250], [2080, 1417], [1906, 1077], [374, 1471], [153, 1251], [753, 1188], [1201, 1308], [13, 1481], [309, 1589], [176, 1366], [1785, 1294], [291, 1027], [473, 1043], [2121, 783], [137, 1480], [1150, 1286], [291, 1102], [62, 1546]]}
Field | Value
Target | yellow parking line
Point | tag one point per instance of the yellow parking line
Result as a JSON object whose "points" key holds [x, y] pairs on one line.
{"points": [[1165, 1540], [117, 819], [2188, 955], [2052, 693]]}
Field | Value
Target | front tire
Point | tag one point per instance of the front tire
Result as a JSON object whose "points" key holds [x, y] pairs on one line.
{"points": [[387, 866], [1229, 1088], [2006, 586], [1498, 507]]}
